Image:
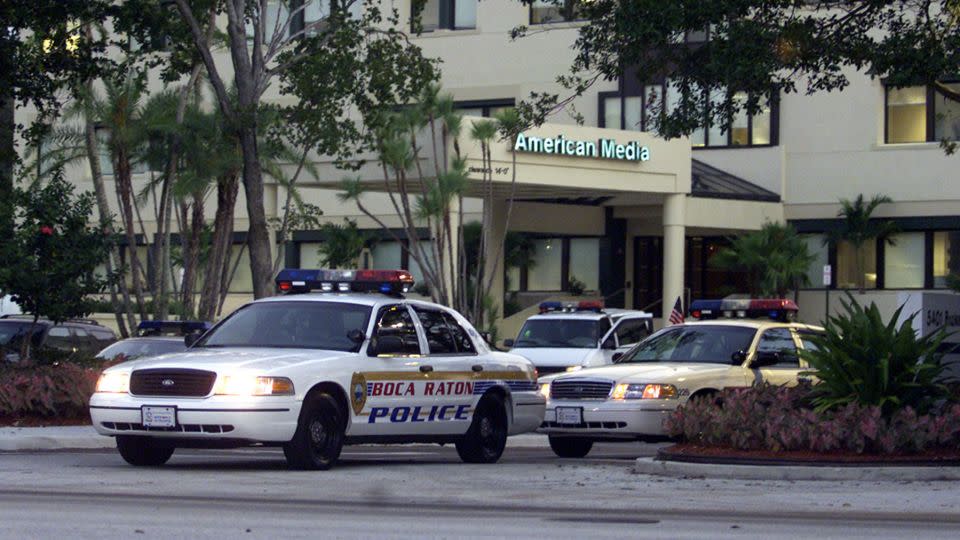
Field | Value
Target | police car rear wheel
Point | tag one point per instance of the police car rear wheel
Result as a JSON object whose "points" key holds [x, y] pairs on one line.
{"points": [[317, 443], [143, 451], [487, 436], [570, 447]]}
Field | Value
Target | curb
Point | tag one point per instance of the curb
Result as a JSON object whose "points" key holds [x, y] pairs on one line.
{"points": [[679, 469], [53, 438]]}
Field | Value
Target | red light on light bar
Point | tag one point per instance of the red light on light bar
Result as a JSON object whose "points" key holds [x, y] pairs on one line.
{"points": [[285, 286], [400, 276], [774, 303], [590, 304]]}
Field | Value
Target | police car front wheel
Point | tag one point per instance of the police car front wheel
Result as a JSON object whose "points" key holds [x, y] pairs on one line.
{"points": [[143, 451], [317, 443], [485, 440]]}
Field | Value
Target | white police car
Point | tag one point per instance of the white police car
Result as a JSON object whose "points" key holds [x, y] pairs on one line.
{"points": [[630, 399], [567, 336], [312, 372]]}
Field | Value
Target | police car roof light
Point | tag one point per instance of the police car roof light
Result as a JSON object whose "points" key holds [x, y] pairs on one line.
{"points": [[780, 309], [291, 280], [590, 305], [154, 328]]}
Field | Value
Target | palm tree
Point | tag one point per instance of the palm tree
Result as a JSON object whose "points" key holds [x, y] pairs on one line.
{"points": [[775, 259], [859, 229]]}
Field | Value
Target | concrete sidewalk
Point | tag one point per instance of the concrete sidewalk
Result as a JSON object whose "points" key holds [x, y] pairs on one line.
{"points": [[793, 473], [16, 439]]}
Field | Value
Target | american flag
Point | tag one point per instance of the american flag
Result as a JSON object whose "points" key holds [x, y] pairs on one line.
{"points": [[676, 316]]}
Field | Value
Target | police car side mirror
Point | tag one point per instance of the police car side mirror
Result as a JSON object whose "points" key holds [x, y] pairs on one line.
{"points": [[485, 336], [508, 343], [356, 336], [617, 356], [738, 357], [191, 338]]}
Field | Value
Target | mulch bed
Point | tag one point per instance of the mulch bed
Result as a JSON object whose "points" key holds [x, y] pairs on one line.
{"points": [[693, 453], [42, 421]]}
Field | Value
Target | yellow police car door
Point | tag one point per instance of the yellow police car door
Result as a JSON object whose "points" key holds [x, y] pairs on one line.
{"points": [[386, 390]]}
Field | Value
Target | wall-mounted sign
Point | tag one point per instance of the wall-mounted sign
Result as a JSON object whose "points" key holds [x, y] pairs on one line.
{"points": [[600, 149]]}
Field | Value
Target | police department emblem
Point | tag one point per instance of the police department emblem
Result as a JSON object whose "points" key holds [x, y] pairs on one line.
{"points": [[358, 392]]}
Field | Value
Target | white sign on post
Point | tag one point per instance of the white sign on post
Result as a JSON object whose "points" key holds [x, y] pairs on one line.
{"points": [[827, 275]]}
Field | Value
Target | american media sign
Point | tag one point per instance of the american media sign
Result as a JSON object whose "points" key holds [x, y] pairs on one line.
{"points": [[600, 149]]}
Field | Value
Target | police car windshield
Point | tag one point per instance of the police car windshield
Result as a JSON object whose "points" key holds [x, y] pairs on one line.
{"points": [[711, 344], [299, 325], [565, 333]]}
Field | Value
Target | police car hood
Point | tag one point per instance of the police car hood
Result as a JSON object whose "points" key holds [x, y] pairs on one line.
{"points": [[259, 360], [650, 372], [553, 356]]}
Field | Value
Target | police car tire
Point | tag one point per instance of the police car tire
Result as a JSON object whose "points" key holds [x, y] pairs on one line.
{"points": [[143, 451], [487, 437], [320, 417], [570, 447]]}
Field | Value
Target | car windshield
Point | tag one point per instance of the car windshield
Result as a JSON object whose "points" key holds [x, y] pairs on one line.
{"points": [[300, 325], [566, 333], [141, 348], [712, 344]]}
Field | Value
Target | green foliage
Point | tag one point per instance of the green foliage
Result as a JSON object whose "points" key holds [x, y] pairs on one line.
{"points": [[50, 264], [775, 258], [575, 286], [342, 244], [781, 418], [758, 47], [862, 359]]}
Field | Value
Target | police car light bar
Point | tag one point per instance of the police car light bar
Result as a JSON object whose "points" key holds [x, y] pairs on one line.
{"points": [[778, 309], [179, 328], [291, 280], [595, 306]]}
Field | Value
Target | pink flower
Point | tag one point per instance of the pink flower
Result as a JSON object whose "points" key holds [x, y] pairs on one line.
{"points": [[46, 230]]}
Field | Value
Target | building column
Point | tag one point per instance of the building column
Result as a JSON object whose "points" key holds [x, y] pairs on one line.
{"points": [[450, 267], [674, 241], [498, 224]]}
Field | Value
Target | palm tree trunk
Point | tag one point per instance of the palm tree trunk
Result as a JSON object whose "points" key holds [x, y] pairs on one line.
{"points": [[191, 256], [122, 173], [218, 263]]}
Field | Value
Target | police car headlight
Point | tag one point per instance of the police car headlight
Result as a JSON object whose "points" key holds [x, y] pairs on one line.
{"points": [[545, 389], [644, 391], [116, 382], [248, 385]]}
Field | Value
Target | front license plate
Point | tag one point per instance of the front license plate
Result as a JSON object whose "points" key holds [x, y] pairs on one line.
{"points": [[569, 415], [159, 416]]}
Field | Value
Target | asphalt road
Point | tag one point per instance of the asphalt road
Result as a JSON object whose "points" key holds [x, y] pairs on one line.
{"points": [[418, 491]]}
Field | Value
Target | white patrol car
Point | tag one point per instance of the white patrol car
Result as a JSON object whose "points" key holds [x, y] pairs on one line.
{"points": [[572, 336], [312, 372], [630, 399]]}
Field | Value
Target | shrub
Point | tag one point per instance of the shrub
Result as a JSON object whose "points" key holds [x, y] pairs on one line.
{"points": [[862, 359], [61, 390], [782, 418]]}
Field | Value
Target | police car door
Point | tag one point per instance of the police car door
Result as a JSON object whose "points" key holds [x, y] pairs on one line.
{"points": [[454, 366], [625, 334], [384, 390], [787, 367]]}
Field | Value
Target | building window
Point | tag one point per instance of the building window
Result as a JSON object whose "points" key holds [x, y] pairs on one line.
{"points": [[448, 14], [315, 11], [639, 113], [584, 262], [546, 274], [486, 108], [946, 256], [917, 114], [847, 273], [276, 20], [903, 261], [821, 257], [554, 11]]}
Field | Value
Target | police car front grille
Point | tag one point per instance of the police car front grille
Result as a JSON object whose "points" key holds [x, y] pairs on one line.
{"points": [[172, 382], [182, 428], [580, 389]]}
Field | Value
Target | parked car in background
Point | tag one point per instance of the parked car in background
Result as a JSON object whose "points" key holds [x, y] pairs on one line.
{"points": [[142, 347], [79, 338]]}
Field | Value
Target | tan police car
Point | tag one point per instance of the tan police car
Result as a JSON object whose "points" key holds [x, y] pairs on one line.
{"points": [[314, 371], [737, 343]]}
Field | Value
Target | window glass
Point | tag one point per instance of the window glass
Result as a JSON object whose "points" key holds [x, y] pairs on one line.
{"points": [[780, 340], [946, 256], [274, 20], [611, 112], [439, 338], [714, 344], [306, 325], [820, 252], [396, 321], [470, 111], [697, 36], [465, 14], [651, 95], [59, 338], [632, 331], [80, 332], [546, 11], [106, 160], [632, 109], [717, 135], [242, 279], [460, 336], [414, 267], [386, 255], [848, 277], [513, 278], [946, 115], [906, 114], [430, 16], [545, 273], [903, 261], [740, 127], [585, 261], [310, 255], [760, 131], [552, 332], [103, 335], [806, 339]]}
